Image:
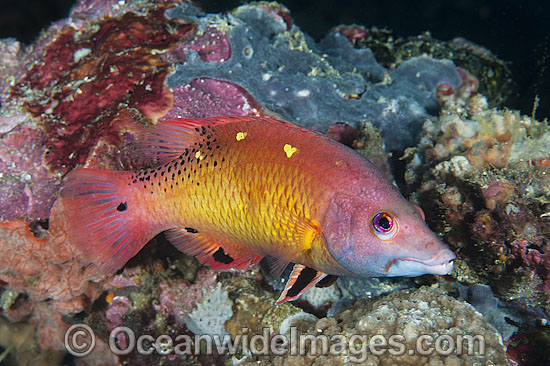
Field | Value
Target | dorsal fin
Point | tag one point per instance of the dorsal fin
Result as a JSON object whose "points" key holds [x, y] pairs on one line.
{"points": [[169, 139]]}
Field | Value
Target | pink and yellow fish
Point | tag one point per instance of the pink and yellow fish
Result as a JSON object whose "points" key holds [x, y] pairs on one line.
{"points": [[231, 190]]}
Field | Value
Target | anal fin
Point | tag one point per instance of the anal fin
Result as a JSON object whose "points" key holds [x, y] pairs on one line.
{"points": [[301, 279], [217, 253]]}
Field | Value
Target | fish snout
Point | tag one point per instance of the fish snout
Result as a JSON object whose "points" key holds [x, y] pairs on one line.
{"points": [[440, 264]]}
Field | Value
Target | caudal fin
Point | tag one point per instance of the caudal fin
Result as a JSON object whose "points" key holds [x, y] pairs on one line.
{"points": [[104, 215]]}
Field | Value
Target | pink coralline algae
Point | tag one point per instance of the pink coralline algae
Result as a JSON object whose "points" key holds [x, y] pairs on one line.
{"points": [[209, 98], [119, 306], [535, 259], [179, 296]]}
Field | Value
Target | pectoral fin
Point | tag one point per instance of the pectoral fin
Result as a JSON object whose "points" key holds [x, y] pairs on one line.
{"points": [[301, 279]]}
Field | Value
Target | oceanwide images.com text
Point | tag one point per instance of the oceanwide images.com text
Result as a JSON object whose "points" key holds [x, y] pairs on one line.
{"points": [[80, 341]]}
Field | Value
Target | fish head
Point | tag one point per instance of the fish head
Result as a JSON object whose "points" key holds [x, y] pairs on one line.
{"points": [[381, 234]]}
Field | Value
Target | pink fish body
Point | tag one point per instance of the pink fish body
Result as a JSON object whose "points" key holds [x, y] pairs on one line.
{"points": [[231, 190]]}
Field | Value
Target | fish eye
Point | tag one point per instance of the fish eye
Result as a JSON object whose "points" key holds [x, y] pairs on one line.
{"points": [[384, 226]]}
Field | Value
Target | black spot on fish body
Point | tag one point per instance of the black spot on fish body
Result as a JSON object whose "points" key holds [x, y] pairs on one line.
{"points": [[222, 257], [191, 230], [122, 206]]}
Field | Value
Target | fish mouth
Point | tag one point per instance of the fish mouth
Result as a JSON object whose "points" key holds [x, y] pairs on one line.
{"points": [[441, 264]]}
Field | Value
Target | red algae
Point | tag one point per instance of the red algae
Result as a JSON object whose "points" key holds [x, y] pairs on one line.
{"points": [[86, 78]]}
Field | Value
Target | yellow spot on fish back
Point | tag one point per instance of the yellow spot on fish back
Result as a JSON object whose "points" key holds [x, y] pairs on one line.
{"points": [[289, 150], [241, 136], [199, 155]]}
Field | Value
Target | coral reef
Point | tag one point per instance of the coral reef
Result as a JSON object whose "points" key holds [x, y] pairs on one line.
{"points": [[81, 94], [391, 51], [485, 175], [317, 84], [425, 312]]}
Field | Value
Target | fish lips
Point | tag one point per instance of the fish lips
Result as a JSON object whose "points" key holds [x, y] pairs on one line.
{"points": [[440, 264]]}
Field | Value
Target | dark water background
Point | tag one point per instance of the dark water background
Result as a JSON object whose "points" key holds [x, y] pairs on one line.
{"points": [[516, 31]]}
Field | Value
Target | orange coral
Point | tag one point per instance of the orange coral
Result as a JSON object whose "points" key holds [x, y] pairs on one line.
{"points": [[47, 269]]}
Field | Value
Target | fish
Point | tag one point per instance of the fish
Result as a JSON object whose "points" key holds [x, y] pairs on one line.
{"points": [[233, 190]]}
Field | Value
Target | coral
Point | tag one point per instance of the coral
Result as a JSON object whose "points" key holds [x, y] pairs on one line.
{"points": [[410, 314], [119, 306], [390, 50], [179, 296], [254, 308], [211, 313], [481, 174], [321, 297], [46, 271], [27, 189], [81, 94], [316, 85]]}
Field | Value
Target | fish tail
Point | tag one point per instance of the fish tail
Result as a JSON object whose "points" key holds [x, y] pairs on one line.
{"points": [[105, 219]]}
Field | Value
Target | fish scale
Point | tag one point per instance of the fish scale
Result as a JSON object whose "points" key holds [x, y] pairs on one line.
{"points": [[231, 190]]}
